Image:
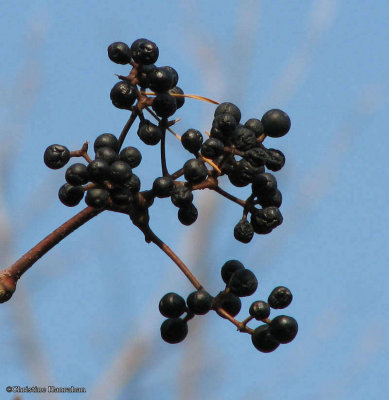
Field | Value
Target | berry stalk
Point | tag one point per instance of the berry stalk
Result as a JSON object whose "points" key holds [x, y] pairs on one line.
{"points": [[10, 276]]}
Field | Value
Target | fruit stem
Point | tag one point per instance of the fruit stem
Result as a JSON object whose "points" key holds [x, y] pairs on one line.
{"points": [[156, 117], [9, 276], [163, 125], [126, 128], [228, 196], [152, 237], [191, 96]]}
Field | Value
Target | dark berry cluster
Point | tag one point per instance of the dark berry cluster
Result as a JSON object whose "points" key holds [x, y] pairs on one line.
{"points": [[231, 148], [107, 180], [240, 282]]}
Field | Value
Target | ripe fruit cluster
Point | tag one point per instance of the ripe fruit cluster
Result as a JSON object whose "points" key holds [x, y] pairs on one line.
{"points": [[240, 282], [231, 148]]}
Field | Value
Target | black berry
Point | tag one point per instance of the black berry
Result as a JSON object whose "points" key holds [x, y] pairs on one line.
{"points": [[275, 160], [163, 186], [188, 215], [144, 51], [181, 196], [192, 140], [280, 297], [229, 267], [77, 174], [212, 148], [164, 105], [195, 171], [120, 172], [199, 302], [243, 231], [255, 125], [131, 156], [123, 95], [174, 330], [172, 305], [265, 220], [106, 153], [70, 195], [98, 170], [149, 133], [259, 310], [276, 123], [228, 108], [56, 156], [283, 328], [119, 53], [106, 140], [263, 340], [97, 198], [243, 283]]}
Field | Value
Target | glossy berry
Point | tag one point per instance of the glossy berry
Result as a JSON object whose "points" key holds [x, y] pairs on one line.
{"points": [[228, 108], [149, 133], [161, 80], [199, 302], [263, 340], [270, 200], [230, 303], [119, 53], [212, 148], [77, 174], [225, 123], [98, 170], [180, 100], [229, 267], [144, 72], [243, 283], [275, 160], [174, 330], [192, 140], [195, 171], [123, 95], [131, 156], [106, 153], [264, 184], [259, 310], [265, 220], [244, 138], [164, 105], [163, 186], [97, 198], [246, 171], [255, 125], [144, 51], [276, 123], [188, 215], [120, 172], [70, 195], [122, 196], [172, 305], [283, 328], [256, 156], [243, 231], [56, 156], [280, 297], [173, 72], [181, 196], [106, 140], [133, 184]]}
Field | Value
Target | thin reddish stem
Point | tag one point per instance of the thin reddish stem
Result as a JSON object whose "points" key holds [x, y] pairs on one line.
{"points": [[9, 276], [151, 236]]}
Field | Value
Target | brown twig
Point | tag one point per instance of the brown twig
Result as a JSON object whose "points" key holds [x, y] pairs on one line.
{"points": [[10, 276]]}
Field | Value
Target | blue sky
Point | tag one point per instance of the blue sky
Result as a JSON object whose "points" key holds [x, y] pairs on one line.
{"points": [[88, 309]]}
